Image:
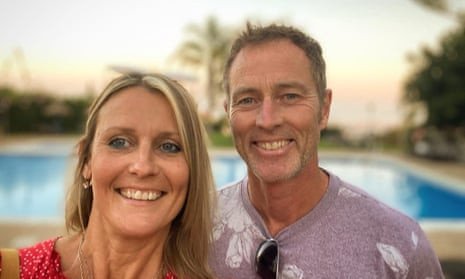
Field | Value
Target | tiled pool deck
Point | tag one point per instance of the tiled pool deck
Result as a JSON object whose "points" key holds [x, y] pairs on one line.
{"points": [[447, 238]]}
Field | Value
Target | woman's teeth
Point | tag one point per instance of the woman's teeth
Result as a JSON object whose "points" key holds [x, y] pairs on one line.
{"points": [[140, 195]]}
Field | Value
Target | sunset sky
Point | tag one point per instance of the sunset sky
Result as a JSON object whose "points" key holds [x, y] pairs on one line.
{"points": [[65, 47]]}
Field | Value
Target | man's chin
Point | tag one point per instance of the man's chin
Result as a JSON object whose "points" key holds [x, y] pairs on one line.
{"points": [[269, 174]]}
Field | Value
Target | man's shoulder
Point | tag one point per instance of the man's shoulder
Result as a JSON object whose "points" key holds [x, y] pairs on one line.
{"points": [[351, 197]]}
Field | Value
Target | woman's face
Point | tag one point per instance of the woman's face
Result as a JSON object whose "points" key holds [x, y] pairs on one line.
{"points": [[137, 168]]}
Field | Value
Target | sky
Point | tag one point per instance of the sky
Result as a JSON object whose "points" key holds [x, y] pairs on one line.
{"points": [[66, 47]]}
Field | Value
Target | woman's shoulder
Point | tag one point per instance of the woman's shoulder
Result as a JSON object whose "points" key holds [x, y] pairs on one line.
{"points": [[40, 260], [42, 246]]}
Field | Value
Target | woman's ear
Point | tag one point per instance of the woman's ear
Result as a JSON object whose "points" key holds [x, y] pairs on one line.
{"points": [[86, 171]]}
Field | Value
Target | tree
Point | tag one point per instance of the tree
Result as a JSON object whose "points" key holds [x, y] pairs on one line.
{"points": [[435, 5], [437, 86], [206, 48], [443, 7], [438, 81]]}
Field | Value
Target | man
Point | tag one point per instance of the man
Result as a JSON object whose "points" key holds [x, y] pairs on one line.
{"points": [[289, 218]]}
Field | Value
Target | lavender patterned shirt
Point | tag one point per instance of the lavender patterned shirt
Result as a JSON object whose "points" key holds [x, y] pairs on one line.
{"points": [[349, 234]]}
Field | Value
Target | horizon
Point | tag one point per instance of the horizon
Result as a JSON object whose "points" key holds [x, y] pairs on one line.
{"points": [[67, 48]]}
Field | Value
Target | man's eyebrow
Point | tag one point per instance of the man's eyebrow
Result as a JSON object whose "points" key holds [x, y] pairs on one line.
{"points": [[243, 90], [279, 86], [291, 84]]}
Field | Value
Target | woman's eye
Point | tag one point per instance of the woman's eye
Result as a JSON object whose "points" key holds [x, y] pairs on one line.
{"points": [[118, 143], [170, 147]]}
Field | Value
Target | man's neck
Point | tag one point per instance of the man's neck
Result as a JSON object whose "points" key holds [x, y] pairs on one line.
{"points": [[282, 203]]}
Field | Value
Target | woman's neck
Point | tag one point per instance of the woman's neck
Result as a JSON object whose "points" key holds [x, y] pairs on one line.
{"points": [[116, 256]]}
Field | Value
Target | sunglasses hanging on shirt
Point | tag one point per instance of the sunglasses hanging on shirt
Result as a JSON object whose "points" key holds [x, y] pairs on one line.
{"points": [[267, 259]]}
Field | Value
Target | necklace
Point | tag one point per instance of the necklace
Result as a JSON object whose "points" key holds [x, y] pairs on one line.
{"points": [[84, 267]]}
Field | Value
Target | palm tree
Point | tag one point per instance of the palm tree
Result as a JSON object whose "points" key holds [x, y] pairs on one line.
{"points": [[206, 48], [443, 7]]}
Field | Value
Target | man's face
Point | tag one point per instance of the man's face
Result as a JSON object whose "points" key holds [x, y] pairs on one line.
{"points": [[274, 110]]}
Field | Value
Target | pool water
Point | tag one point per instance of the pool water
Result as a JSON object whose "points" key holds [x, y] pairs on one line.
{"points": [[412, 194], [33, 186]]}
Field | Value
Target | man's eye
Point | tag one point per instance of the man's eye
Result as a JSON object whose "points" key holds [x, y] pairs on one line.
{"points": [[290, 96], [170, 147], [118, 143], [245, 101]]}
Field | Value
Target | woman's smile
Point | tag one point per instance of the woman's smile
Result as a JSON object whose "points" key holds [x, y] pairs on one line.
{"points": [[142, 195]]}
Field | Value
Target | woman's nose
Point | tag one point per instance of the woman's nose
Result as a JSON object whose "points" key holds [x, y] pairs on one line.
{"points": [[144, 163]]}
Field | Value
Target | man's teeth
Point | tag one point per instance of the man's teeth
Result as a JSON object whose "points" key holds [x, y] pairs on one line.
{"points": [[273, 145], [140, 195]]}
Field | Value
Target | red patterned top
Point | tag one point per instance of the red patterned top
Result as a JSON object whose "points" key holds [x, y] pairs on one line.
{"points": [[41, 261]]}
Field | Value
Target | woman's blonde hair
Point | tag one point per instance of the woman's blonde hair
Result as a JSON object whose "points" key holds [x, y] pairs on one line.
{"points": [[186, 250]]}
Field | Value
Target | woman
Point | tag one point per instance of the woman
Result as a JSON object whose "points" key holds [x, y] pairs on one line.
{"points": [[142, 192]]}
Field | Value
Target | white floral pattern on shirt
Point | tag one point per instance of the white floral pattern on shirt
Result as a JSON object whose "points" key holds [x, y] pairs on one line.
{"points": [[414, 240], [234, 217], [291, 271], [394, 259], [345, 192]]}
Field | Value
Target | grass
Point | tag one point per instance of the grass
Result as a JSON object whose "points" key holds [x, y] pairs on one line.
{"points": [[218, 139]]}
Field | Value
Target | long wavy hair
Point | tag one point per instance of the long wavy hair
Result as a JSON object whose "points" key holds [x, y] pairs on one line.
{"points": [[186, 250]]}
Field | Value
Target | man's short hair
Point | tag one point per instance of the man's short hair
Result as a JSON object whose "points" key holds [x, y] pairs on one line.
{"points": [[254, 34]]}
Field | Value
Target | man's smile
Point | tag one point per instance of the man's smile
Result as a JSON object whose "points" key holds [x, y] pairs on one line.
{"points": [[272, 145]]}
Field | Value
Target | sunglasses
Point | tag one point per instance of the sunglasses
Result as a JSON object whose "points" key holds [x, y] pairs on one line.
{"points": [[267, 259]]}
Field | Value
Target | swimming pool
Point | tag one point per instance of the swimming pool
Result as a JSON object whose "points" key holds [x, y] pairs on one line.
{"points": [[32, 186], [418, 196]]}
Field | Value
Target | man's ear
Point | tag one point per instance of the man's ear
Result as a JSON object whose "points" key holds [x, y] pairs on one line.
{"points": [[226, 107], [325, 109]]}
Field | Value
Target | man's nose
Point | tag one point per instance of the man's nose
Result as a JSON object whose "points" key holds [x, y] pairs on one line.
{"points": [[269, 115]]}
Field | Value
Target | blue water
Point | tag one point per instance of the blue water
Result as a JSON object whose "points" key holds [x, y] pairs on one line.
{"points": [[33, 186], [401, 188]]}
